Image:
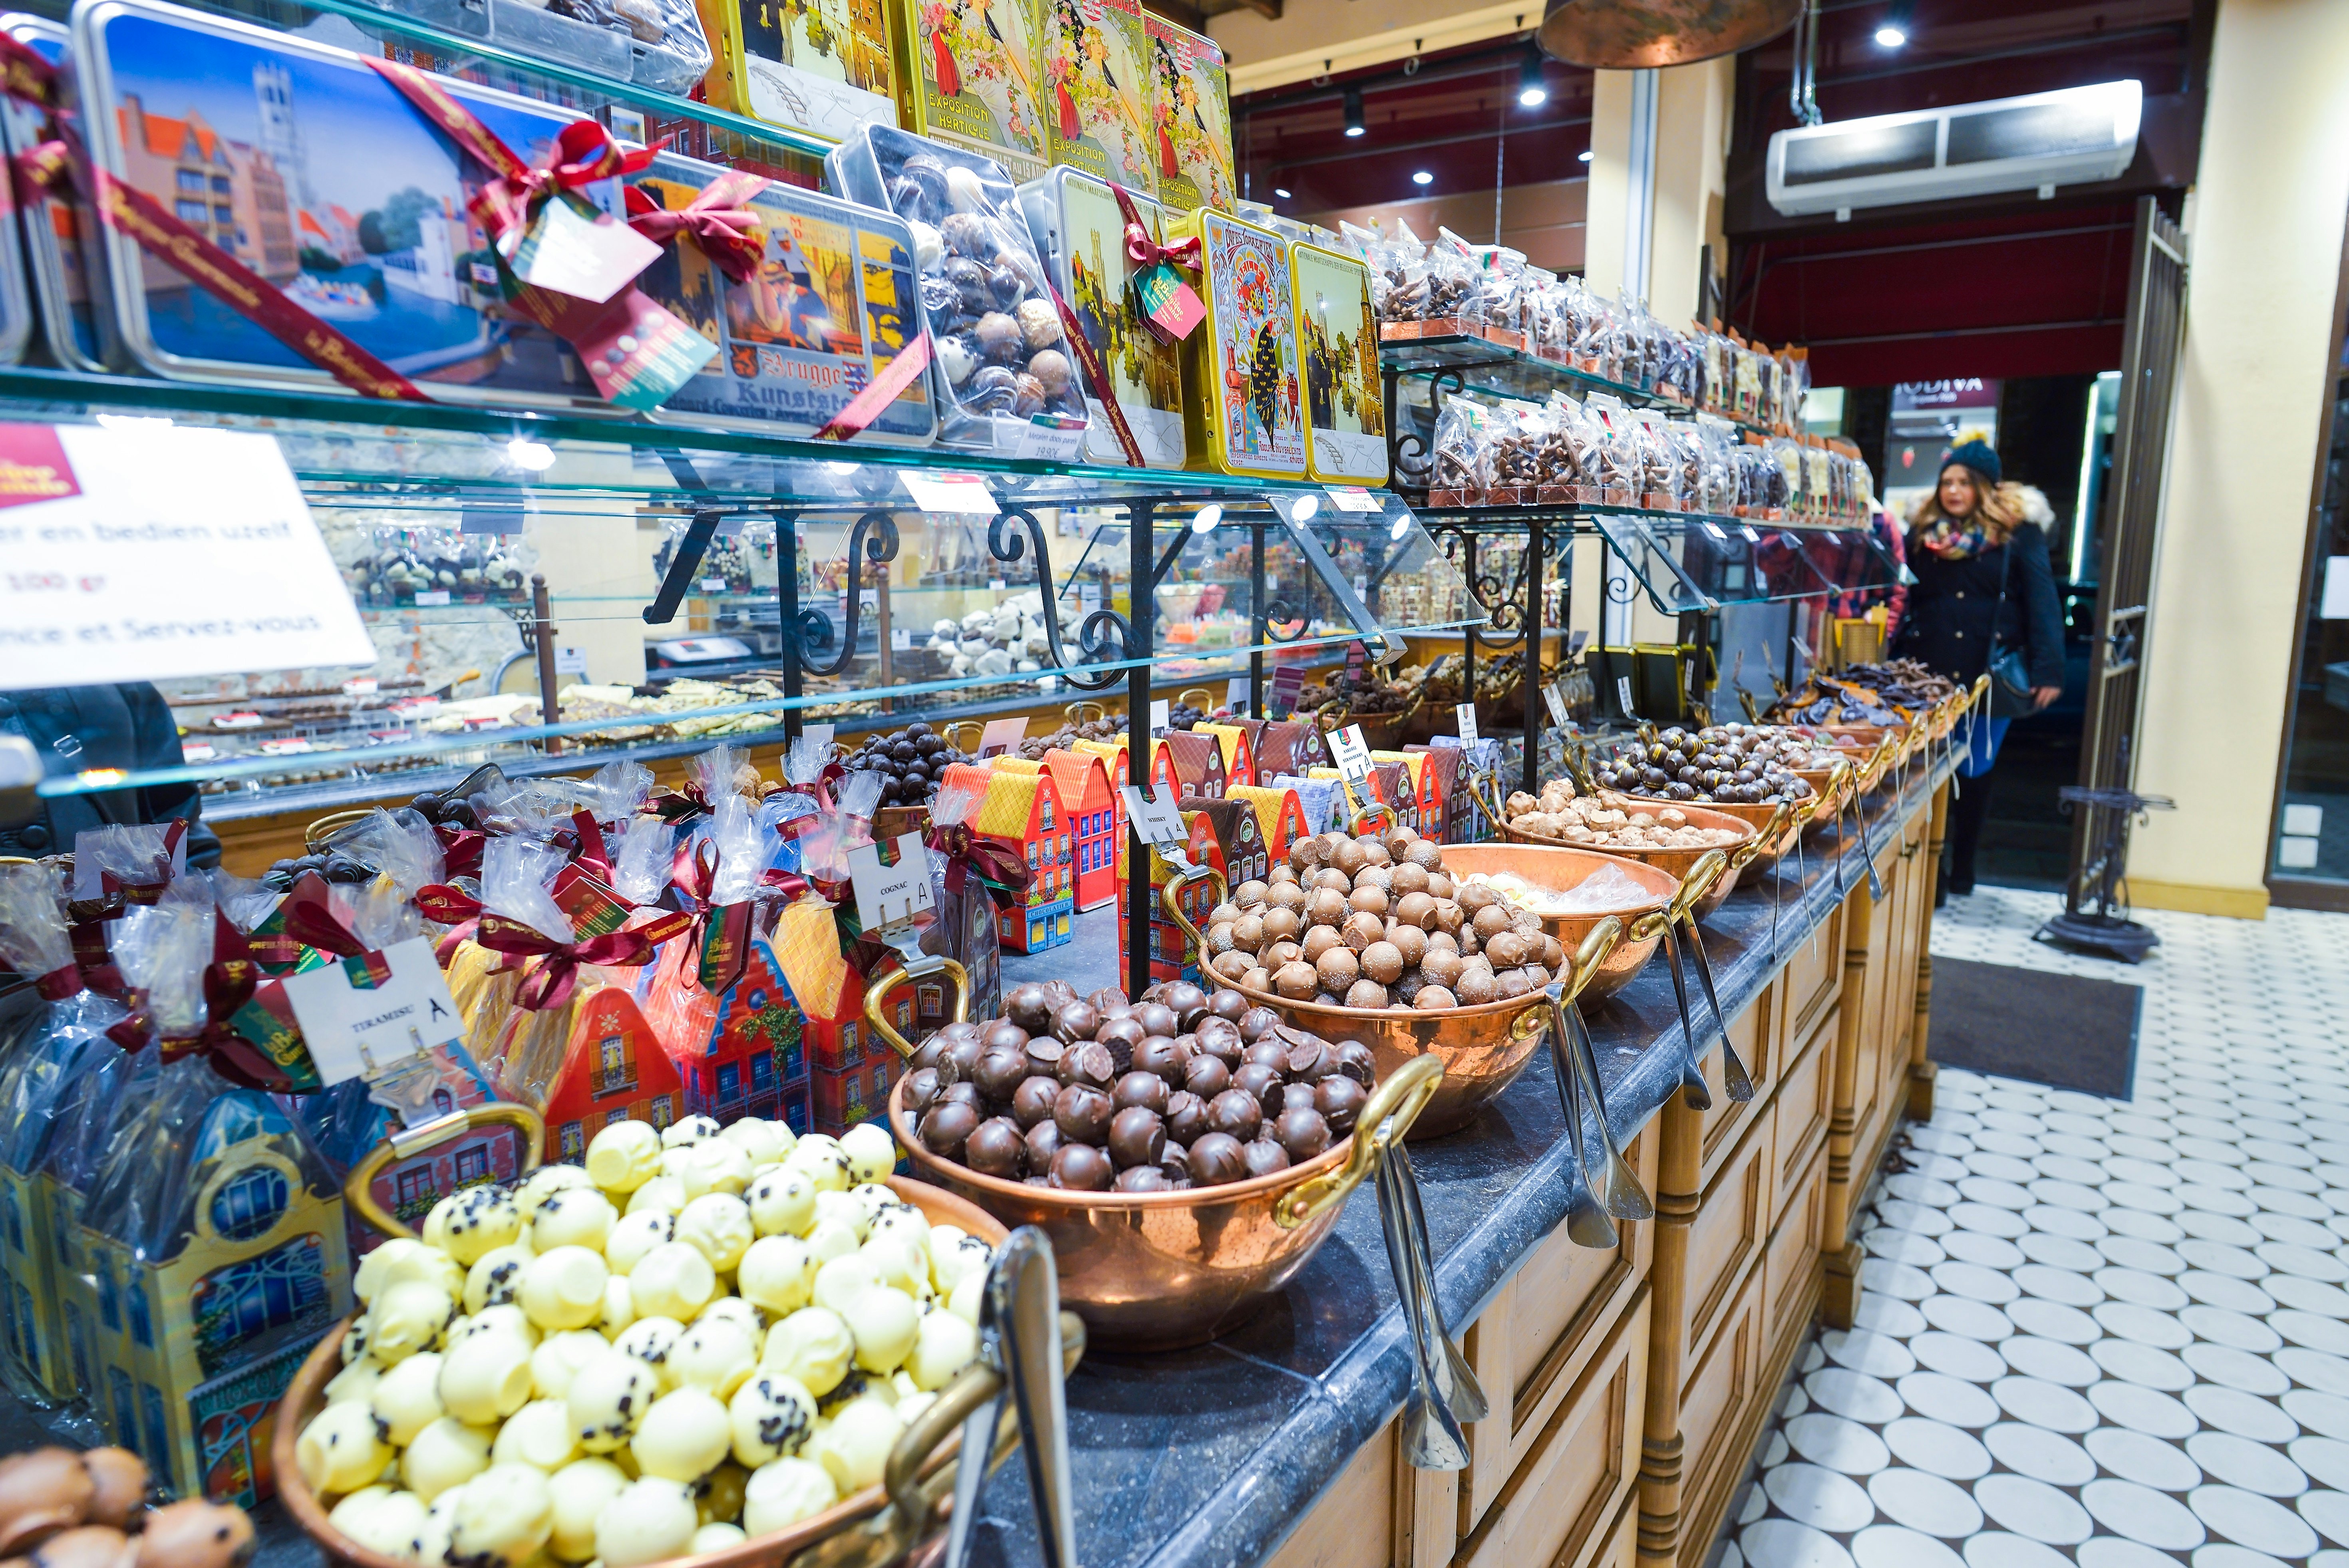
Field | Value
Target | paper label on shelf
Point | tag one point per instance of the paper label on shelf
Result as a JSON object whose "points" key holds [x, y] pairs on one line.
{"points": [[1352, 498], [1236, 694], [1574, 642], [1286, 682], [1154, 816], [963, 495], [2333, 606], [1557, 701], [901, 640], [1623, 695], [1089, 599], [996, 584], [1160, 715], [570, 661], [892, 895], [1351, 753], [362, 1016], [1467, 715], [1052, 438], [712, 585], [1001, 735], [431, 598]]}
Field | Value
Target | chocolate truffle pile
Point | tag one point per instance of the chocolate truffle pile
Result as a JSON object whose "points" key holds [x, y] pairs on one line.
{"points": [[1099, 1094], [1375, 922]]}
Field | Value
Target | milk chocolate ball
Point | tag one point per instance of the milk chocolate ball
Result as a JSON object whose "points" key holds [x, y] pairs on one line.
{"points": [[1142, 1179], [1030, 1007], [1146, 1089], [1348, 856], [1450, 917], [1408, 878], [1077, 1021], [1137, 1136], [1491, 921], [1440, 968], [1288, 895], [1366, 994], [1553, 954], [1206, 1076], [1330, 877], [1440, 887], [1506, 949], [1215, 1158], [1378, 877], [1435, 998], [1325, 906], [1369, 900], [1264, 1157], [1412, 943], [1296, 981], [1233, 966], [1249, 894], [1383, 962], [1081, 1168], [1186, 1116], [946, 1125], [997, 1148], [1340, 1100], [1425, 853], [1283, 925], [1362, 928], [1474, 987], [1415, 909], [1338, 969], [1236, 1111], [1031, 1102], [1303, 1133]]}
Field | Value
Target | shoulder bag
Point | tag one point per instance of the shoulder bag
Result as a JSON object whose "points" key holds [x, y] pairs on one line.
{"points": [[2010, 672]]}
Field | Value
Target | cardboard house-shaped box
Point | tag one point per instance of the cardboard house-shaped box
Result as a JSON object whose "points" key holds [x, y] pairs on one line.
{"points": [[407, 1189], [1191, 765], [1286, 745], [1322, 799], [1389, 785], [1227, 835], [1239, 751], [1086, 794], [615, 1069], [1464, 816], [1117, 765], [848, 1071], [1280, 817], [761, 1043], [1173, 955], [1427, 798], [1023, 813]]}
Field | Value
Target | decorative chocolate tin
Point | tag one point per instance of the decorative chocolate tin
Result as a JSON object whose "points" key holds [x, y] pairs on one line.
{"points": [[824, 66], [1338, 340], [50, 277], [1097, 80], [1081, 233], [1241, 409], [975, 79], [1191, 108]]}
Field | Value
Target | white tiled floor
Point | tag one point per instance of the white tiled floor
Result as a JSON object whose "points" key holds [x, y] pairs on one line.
{"points": [[2098, 1333]]}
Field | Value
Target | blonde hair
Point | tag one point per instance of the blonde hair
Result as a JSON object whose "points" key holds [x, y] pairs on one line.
{"points": [[1999, 508]]}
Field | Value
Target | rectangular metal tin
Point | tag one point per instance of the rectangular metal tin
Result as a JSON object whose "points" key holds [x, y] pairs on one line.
{"points": [[1241, 413], [1096, 83], [1337, 346], [975, 78], [1191, 108], [1081, 233]]}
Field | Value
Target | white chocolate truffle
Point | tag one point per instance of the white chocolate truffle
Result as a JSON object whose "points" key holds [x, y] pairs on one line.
{"points": [[683, 1436], [471, 1222], [872, 1153], [580, 1490], [778, 1273], [445, 1454], [651, 1521], [783, 1203], [713, 1165], [375, 1269], [900, 1261], [772, 1416], [406, 1318], [821, 1158], [619, 1307], [502, 1518], [380, 1518], [783, 1493], [813, 1347], [503, 1318], [485, 1378], [842, 1209], [855, 1446], [942, 1345], [494, 1277], [766, 1142], [910, 1408], [355, 1341], [564, 1288], [538, 1435], [635, 1235], [665, 1194], [559, 1357], [689, 1129], [356, 1381], [884, 1323], [717, 1538], [902, 1221], [966, 193], [579, 1217], [717, 1226], [954, 1252], [964, 1299], [408, 1401], [751, 1321], [544, 1182], [842, 1280], [830, 1239], [652, 1340], [714, 1354], [339, 1450], [431, 1544], [623, 1156], [608, 1397], [674, 1280]]}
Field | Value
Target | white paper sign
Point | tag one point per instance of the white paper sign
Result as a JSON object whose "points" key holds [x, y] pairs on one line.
{"points": [[1001, 735], [1351, 498], [901, 640], [1236, 694], [1556, 700], [1155, 818], [361, 1031], [892, 895], [431, 598], [2335, 603], [570, 661], [1352, 753], [964, 495], [1623, 695], [713, 585], [1468, 712], [154, 552], [1160, 717]]}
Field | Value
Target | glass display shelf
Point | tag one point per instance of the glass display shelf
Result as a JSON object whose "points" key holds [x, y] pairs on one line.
{"points": [[1689, 563], [1466, 362]]}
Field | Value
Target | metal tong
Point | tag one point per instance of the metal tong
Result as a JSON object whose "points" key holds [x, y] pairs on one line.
{"points": [[1019, 1336], [1445, 1393], [1613, 1192]]}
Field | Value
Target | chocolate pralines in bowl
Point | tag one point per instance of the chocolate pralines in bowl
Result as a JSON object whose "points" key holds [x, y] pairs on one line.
{"points": [[1098, 1094]]}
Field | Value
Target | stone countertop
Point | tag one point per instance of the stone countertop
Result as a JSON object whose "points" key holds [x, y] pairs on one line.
{"points": [[1210, 1456]]}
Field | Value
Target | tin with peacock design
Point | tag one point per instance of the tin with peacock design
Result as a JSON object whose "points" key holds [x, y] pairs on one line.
{"points": [[1243, 409]]}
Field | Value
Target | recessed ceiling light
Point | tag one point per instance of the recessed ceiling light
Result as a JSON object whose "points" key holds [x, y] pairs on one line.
{"points": [[1532, 91], [1890, 37], [1423, 178], [1583, 157], [1276, 191]]}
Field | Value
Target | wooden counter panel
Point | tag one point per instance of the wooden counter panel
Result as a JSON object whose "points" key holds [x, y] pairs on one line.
{"points": [[1726, 1235], [1751, 1032], [1813, 976], [1716, 1401], [1802, 1111], [1354, 1524]]}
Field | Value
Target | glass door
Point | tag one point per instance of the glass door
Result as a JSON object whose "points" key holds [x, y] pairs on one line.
{"points": [[2309, 863]]}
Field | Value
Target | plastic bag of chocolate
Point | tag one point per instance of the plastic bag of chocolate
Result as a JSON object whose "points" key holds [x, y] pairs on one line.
{"points": [[1455, 302], [1400, 290], [970, 892], [1581, 477], [1001, 354], [1457, 474], [1524, 450]]}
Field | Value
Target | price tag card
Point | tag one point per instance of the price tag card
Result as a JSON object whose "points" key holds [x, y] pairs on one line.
{"points": [[1155, 818], [1088, 598], [1467, 713], [1001, 735], [1236, 693], [1557, 701], [431, 598], [1575, 641], [713, 585], [998, 584], [361, 1017], [901, 639], [821, 734], [570, 661], [1054, 437], [579, 249], [1352, 498], [1351, 753], [1159, 715], [1623, 697], [892, 895], [954, 495], [1286, 682]]}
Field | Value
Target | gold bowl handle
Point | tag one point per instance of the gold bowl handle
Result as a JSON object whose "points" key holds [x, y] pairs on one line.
{"points": [[1699, 881], [1207, 702], [1887, 752], [886, 981], [1369, 812], [1402, 1097], [415, 1140], [954, 731], [1769, 833], [316, 835], [1588, 953], [1084, 710], [1979, 690], [1169, 901]]}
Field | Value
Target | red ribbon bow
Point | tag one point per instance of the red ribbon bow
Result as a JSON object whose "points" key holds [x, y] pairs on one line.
{"points": [[553, 972], [1141, 249], [25, 76], [228, 986], [1000, 869], [449, 905], [310, 919], [583, 153], [726, 229]]}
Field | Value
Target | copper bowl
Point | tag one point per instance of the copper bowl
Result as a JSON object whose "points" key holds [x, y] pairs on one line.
{"points": [[917, 1459], [1675, 863], [1564, 870], [1157, 1271]]}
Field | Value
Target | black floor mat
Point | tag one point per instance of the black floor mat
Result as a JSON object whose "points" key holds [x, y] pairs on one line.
{"points": [[2060, 1030]]}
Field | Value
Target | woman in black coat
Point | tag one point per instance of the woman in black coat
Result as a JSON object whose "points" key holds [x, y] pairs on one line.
{"points": [[1979, 549]]}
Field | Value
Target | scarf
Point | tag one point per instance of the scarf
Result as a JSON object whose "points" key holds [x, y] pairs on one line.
{"points": [[1952, 543]]}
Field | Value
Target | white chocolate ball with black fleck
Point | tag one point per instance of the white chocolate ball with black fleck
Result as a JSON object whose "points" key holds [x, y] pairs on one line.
{"points": [[494, 1276], [901, 1265], [340, 1450], [356, 1381], [468, 1223], [942, 1345], [380, 1518], [619, 1307], [651, 1340], [783, 1203], [559, 1357], [777, 1273], [713, 1165], [955, 1253], [538, 1435], [689, 1129], [717, 1226], [830, 1239], [608, 1399], [674, 1280], [623, 1156], [855, 1446], [635, 1235], [766, 1142], [964, 1299], [684, 1436], [840, 1280], [733, 1308], [578, 1217], [898, 1218], [784, 1493], [408, 1399], [842, 1209], [485, 1378], [664, 1193], [445, 1454], [714, 1354], [580, 1491], [502, 1519], [871, 1152], [406, 1318], [821, 1158], [400, 1258], [506, 1317], [772, 1415], [716, 1537], [884, 1322], [564, 1288], [544, 1183], [651, 1521]]}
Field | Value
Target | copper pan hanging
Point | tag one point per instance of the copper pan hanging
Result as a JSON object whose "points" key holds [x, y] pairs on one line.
{"points": [[1633, 35]]}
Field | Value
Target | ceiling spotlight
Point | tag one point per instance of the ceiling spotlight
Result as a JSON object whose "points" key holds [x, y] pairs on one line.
{"points": [[1423, 178], [1583, 157], [1532, 91], [1204, 521], [1354, 126], [1276, 191], [1890, 37]]}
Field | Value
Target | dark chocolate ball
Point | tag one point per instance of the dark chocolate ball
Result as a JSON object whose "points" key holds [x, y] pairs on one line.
{"points": [[946, 1125], [1044, 1055], [962, 1091], [1077, 1021], [1304, 1133], [1081, 1168], [1003, 1035], [1228, 1005], [1186, 1116], [1216, 1158], [1142, 1179], [1031, 1102], [1123, 1032], [997, 1148], [1206, 1076], [1137, 1136], [921, 1089], [1311, 1062], [1105, 998], [1256, 1022], [1261, 1084], [1044, 1140], [1296, 1096], [1030, 1007], [1162, 1057], [961, 1059], [928, 1054], [1147, 1091], [1189, 1002], [1000, 1073], [1340, 1100], [1271, 1052], [1264, 1157], [1356, 1061], [1175, 1164], [1088, 1063], [1236, 1111], [1220, 1038], [1156, 1019], [1082, 1113]]}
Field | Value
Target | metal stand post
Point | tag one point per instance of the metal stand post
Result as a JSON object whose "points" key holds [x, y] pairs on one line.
{"points": [[1142, 619], [542, 635]]}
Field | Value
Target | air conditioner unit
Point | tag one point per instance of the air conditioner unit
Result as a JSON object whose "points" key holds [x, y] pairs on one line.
{"points": [[2035, 142]]}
